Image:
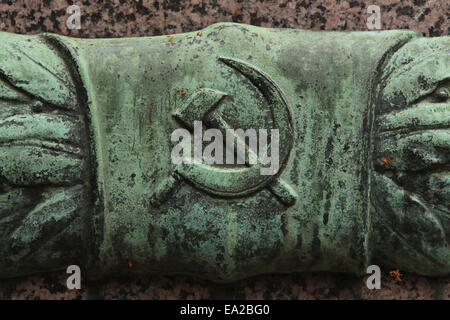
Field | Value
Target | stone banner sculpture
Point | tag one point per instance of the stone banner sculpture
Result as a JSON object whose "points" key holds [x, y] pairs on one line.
{"points": [[86, 138]]}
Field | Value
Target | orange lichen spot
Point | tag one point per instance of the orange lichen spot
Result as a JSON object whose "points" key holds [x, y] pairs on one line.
{"points": [[385, 161], [169, 38], [130, 263], [199, 33], [396, 275], [183, 92]]}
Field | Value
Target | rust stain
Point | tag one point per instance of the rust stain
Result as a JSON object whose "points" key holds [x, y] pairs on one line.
{"points": [[396, 275], [385, 161], [199, 34], [170, 38]]}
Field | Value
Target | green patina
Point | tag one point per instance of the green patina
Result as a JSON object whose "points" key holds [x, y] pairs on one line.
{"points": [[86, 175]]}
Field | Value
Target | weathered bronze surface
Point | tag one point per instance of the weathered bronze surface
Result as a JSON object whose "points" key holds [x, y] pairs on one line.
{"points": [[86, 175]]}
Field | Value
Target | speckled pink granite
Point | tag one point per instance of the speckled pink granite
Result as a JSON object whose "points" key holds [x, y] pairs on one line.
{"points": [[294, 286], [122, 18]]}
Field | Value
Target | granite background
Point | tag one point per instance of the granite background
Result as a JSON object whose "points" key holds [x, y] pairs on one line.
{"points": [[131, 18]]}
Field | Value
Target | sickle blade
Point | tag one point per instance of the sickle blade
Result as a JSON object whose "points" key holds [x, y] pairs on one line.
{"points": [[273, 95]]}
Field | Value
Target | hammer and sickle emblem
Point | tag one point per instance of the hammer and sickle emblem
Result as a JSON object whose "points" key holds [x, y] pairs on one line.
{"points": [[234, 182]]}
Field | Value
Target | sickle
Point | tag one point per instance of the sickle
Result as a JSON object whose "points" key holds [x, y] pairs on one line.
{"points": [[231, 182]]}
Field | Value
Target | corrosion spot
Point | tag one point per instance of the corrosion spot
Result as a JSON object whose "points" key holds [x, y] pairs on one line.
{"points": [[385, 161], [396, 275]]}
